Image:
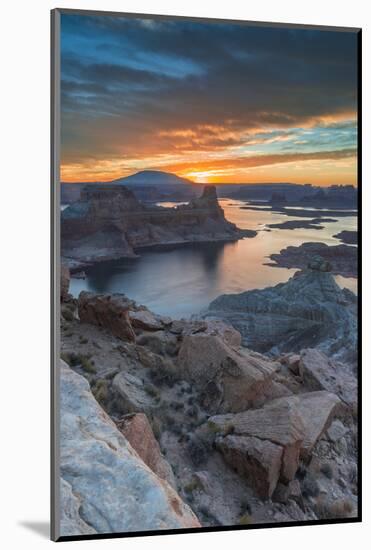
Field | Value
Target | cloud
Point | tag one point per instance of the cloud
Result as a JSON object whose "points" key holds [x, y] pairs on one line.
{"points": [[140, 88]]}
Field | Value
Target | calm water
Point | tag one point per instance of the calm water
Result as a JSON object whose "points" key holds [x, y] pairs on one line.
{"points": [[182, 281]]}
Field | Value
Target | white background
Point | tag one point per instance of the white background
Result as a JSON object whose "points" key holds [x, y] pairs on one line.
{"points": [[24, 298]]}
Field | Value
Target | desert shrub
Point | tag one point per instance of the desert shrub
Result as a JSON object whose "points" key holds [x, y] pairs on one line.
{"points": [[177, 406], [87, 365], [197, 451], [191, 486], [301, 472], [152, 390], [339, 509], [245, 519], [327, 470], [67, 314], [310, 486], [71, 358], [245, 506], [193, 412], [66, 357], [100, 390], [83, 340]]}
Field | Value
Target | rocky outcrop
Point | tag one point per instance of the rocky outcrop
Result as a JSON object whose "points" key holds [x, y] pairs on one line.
{"points": [[109, 311], [132, 393], [108, 222], [315, 223], [277, 437], [347, 237], [318, 372], [230, 378], [259, 461], [343, 258], [310, 310], [106, 487], [137, 430], [294, 424]]}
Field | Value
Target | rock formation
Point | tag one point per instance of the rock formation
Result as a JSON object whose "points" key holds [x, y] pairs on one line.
{"points": [[137, 430], [347, 237], [280, 444], [310, 310], [290, 426], [343, 258], [109, 222], [105, 485]]}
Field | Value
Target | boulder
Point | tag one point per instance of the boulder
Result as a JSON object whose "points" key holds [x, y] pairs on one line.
{"points": [[259, 461], [145, 320], [317, 410], [116, 491], [309, 310], [109, 311], [138, 431], [71, 523], [132, 393], [318, 372], [231, 378], [295, 423]]}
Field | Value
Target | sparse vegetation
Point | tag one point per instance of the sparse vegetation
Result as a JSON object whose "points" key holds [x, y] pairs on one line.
{"points": [[327, 470], [88, 365], [191, 486], [310, 486], [197, 451], [152, 390], [67, 314], [245, 519], [100, 390]]}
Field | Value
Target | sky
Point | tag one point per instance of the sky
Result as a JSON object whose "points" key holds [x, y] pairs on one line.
{"points": [[213, 102]]}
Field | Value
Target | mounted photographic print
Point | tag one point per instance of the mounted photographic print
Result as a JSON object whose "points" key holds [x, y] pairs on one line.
{"points": [[205, 199]]}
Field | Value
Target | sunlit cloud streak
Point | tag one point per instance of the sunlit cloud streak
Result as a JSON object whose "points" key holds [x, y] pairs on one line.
{"points": [[180, 95]]}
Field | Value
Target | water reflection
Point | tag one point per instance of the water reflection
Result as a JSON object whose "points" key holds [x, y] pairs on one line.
{"points": [[183, 280]]}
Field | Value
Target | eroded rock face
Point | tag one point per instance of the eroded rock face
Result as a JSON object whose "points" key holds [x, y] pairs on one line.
{"points": [[132, 392], [310, 310], [109, 222], [294, 423], [257, 460], [318, 372], [138, 431], [109, 311], [116, 491], [232, 378]]}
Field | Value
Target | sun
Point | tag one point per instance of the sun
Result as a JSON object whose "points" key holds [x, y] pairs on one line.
{"points": [[198, 177]]}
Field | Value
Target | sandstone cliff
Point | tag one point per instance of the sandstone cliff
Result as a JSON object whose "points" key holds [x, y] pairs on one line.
{"points": [[310, 310], [109, 222]]}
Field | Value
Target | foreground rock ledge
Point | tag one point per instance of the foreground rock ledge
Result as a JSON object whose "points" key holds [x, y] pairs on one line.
{"points": [[106, 487], [289, 427]]}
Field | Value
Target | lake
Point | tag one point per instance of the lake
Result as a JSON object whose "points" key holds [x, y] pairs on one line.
{"points": [[182, 281]]}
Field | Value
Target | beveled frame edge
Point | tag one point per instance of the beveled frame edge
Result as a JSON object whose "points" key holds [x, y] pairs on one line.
{"points": [[55, 273]]}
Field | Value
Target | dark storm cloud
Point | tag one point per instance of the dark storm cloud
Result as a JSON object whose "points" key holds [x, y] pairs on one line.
{"points": [[124, 81]]}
